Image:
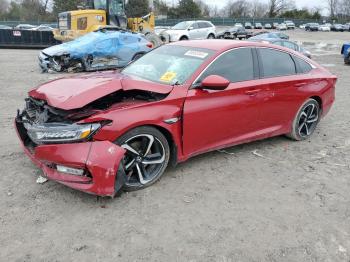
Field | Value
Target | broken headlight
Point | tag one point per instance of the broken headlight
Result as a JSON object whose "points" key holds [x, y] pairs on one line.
{"points": [[59, 133]]}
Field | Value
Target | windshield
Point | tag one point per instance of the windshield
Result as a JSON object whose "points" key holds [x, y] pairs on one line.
{"points": [[116, 7], [182, 25], [169, 64]]}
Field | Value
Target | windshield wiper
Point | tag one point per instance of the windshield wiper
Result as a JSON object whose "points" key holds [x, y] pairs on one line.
{"points": [[177, 83]]}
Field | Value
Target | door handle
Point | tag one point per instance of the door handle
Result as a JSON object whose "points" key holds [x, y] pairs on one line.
{"points": [[252, 92]]}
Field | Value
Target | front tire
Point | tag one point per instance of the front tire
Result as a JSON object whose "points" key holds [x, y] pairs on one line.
{"points": [[146, 158], [306, 120]]}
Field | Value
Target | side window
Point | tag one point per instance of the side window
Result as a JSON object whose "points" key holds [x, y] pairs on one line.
{"points": [[207, 25], [235, 66], [82, 23], [195, 26], [303, 67], [276, 63], [202, 25], [278, 43], [291, 45]]}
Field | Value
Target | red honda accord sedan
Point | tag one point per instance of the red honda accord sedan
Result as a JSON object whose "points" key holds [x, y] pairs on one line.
{"points": [[106, 132]]}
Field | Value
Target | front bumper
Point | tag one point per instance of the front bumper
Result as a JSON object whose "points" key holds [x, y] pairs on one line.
{"points": [[44, 62], [101, 160]]}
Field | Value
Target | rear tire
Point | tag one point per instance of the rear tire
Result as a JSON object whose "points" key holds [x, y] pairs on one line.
{"points": [[347, 60], [306, 120], [183, 38], [211, 36]]}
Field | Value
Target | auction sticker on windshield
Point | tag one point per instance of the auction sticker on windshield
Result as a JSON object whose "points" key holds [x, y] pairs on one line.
{"points": [[198, 54], [168, 76]]}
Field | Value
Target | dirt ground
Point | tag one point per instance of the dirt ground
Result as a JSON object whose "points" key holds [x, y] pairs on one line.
{"points": [[272, 200]]}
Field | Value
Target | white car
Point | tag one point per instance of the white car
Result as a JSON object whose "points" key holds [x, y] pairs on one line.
{"points": [[324, 28], [290, 24], [282, 26], [189, 30], [239, 25], [42, 28], [24, 26]]}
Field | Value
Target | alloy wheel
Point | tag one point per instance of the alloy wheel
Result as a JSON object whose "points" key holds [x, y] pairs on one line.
{"points": [[144, 159], [308, 120]]}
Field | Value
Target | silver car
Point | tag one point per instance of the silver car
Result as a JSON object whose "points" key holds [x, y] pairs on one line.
{"points": [[189, 30]]}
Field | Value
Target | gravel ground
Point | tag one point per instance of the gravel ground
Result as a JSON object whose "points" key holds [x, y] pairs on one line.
{"points": [[272, 200]]}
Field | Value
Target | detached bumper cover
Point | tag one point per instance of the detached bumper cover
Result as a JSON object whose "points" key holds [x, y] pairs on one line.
{"points": [[101, 160]]}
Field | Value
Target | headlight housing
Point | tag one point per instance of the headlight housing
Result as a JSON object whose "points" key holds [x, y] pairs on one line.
{"points": [[60, 133]]}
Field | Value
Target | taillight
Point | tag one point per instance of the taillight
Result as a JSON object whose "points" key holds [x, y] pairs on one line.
{"points": [[149, 45]]}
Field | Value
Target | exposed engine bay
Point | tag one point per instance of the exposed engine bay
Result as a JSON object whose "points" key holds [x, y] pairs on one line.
{"points": [[43, 123]]}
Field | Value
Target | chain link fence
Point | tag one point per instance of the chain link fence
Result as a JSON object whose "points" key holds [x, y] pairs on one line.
{"points": [[227, 21]]}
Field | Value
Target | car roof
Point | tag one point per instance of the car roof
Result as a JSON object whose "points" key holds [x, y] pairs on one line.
{"points": [[220, 44]]}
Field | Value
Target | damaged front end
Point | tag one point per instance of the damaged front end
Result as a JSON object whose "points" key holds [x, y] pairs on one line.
{"points": [[66, 151], [60, 63]]}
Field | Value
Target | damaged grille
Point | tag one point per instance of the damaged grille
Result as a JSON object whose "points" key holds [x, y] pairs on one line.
{"points": [[38, 112]]}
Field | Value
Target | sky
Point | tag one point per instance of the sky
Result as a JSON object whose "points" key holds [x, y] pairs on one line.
{"points": [[299, 3]]}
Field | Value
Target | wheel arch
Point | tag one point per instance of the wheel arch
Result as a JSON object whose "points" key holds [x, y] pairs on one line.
{"points": [[184, 37], [172, 145], [169, 137], [138, 53], [319, 101]]}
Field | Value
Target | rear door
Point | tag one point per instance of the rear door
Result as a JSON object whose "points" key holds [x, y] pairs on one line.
{"points": [[203, 29], [282, 87], [213, 119]]}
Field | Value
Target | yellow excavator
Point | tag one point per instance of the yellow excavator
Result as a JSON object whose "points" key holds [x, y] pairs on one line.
{"points": [[99, 14]]}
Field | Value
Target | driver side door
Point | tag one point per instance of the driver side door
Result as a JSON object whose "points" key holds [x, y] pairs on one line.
{"points": [[218, 118]]}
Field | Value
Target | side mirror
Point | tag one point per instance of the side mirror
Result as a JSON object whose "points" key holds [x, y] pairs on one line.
{"points": [[214, 82], [190, 28]]}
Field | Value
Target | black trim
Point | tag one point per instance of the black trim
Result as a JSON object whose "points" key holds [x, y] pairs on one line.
{"points": [[256, 64], [297, 66]]}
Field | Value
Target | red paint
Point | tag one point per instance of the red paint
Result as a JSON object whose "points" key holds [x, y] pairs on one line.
{"points": [[76, 92], [100, 159], [215, 82], [210, 119]]}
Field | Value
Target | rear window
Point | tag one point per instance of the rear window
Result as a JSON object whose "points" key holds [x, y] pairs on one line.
{"points": [[204, 25], [276, 63], [303, 67]]}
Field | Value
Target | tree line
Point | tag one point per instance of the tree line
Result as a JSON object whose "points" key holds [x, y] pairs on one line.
{"points": [[47, 10]]}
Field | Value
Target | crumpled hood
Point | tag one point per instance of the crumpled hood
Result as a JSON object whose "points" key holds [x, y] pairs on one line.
{"points": [[56, 50], [77, 92]]}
